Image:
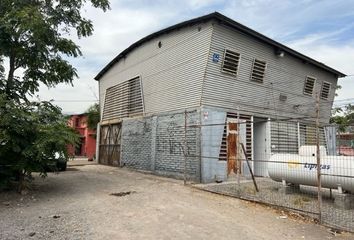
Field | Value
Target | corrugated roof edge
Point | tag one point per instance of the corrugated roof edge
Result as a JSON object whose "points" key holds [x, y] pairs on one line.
{"points": [[229, 22]]}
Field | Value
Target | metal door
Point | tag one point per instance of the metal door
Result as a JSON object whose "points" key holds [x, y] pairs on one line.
{"points": [[260, 148], [110, 144]]}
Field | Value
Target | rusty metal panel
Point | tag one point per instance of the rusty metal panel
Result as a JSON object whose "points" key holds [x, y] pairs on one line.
{"points": [[248, 143], [232, 136]]}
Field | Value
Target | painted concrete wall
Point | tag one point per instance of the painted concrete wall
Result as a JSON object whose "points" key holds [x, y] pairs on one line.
{"points": [[212, 169], [87, 136]]}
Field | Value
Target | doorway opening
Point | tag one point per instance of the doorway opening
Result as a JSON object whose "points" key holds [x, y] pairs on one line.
{"points": [[260, 146]]}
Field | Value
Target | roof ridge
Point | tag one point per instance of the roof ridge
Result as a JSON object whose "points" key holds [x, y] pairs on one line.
{"points": [[228, 21]]}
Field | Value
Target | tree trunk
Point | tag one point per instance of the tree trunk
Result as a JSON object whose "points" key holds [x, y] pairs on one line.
{"points": [[10, 77]]}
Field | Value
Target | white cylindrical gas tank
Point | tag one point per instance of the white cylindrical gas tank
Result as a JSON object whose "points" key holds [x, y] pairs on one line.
{"points": [[337, 171]]}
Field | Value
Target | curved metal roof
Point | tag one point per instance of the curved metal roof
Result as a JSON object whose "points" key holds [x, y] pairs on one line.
{"points": [[228, 22]]}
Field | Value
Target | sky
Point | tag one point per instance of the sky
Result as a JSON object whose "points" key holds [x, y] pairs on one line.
{"points": [[320, 29]]}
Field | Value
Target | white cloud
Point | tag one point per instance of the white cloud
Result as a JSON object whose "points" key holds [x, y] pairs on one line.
{"points": [[291, 22], [196, 4], [284, 19]]}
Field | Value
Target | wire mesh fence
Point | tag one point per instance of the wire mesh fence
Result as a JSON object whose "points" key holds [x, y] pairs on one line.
{"points": [[302, 167]]}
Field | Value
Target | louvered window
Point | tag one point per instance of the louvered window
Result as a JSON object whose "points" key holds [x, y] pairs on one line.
{"points": [[309, 85], [230, 62], [258, 70], [135, 99], [123, 100], [326, 87]]}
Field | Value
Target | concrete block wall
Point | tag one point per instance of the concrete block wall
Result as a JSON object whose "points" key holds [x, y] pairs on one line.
{"points": [[156, 143], [136, 143], [170, 145]]}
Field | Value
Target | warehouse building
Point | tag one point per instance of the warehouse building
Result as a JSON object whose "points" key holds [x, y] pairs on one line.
{"points": [[214, 70]]}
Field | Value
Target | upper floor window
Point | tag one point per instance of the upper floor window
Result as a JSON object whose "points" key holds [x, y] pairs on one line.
{"points": [[325, 89], [124, 100], [230, 62], [258, 70], [309, 85]]}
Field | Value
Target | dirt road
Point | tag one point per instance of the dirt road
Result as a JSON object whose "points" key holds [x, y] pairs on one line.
{"points": [[77, 205]]}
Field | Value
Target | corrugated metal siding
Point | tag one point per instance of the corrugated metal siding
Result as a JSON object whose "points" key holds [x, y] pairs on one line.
{"points": [[284, 137], [171, 75], [308, 135], [283, 75]]}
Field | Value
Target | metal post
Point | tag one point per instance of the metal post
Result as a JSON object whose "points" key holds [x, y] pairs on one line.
{"points": [[185, 148], [249, 167], [239, 163], [318, 157]]}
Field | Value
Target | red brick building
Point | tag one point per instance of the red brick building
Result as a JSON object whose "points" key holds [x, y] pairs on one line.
{"points": [[87, 144]]}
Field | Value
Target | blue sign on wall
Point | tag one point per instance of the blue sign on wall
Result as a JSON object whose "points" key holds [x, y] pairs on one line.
{"points": [[216, 57]]}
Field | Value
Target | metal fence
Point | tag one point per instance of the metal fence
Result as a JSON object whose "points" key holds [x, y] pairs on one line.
{"points": [[302, 167]]}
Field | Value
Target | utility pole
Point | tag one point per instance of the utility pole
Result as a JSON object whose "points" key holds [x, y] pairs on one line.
{"points": [[318, 157]]}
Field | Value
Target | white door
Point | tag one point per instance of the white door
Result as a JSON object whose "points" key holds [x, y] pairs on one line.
{"points": [[260, 148]]}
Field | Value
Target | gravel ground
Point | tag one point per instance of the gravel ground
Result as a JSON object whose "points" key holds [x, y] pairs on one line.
{"points": [[304, 200], [77, 204]]}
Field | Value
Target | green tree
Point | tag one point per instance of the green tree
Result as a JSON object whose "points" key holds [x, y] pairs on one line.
{"points": [[93, 116], [34, 37], [344, 118], [30, 136]]}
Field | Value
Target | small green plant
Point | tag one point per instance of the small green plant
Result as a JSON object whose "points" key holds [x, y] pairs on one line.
{"points": [[93, 116]]}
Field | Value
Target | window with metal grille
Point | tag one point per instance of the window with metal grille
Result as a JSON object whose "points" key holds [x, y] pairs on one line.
{"points": [[258, 70], [309, 85], [325, 89], [230, 62], [123, 100]]}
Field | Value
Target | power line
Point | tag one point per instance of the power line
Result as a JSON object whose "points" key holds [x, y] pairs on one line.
{"points": [[76, 100]]}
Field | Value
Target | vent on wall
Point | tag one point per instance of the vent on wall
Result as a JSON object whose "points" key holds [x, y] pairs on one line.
{"points": [[258, 70], [326, 87], [309, 85], [230, 62], [283, 97], [123, 100]]}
